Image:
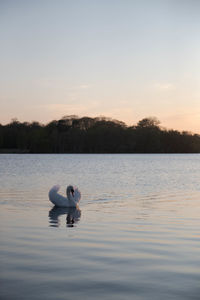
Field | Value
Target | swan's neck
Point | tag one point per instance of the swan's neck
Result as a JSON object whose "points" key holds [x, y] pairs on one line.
{"points": [[69, 196]]}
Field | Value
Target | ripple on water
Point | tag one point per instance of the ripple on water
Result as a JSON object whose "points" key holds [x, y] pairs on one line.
{"points": [[137, 236]]}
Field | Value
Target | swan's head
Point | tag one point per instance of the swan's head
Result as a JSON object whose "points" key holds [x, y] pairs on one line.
{"points": [[70, 190]]}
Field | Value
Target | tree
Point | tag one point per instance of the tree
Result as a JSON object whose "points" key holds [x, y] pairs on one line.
{"points": [[148, 122], [72, 134]]}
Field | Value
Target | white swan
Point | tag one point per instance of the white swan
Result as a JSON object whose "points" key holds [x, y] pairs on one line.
{"points": [[72, 199]]}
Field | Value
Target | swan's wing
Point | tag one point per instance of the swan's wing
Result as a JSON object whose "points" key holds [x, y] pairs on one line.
{"points": [[55, 188], [77, 195], [56, 198]]}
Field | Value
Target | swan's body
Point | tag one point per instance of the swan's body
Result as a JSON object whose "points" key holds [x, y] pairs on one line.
{"points": [[72, 199]]}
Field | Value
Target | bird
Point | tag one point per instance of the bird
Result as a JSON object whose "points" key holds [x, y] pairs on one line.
{"points": [[72, 199]]}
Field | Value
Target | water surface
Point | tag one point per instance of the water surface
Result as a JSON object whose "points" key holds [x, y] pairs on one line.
{"points": [[136, 235]]}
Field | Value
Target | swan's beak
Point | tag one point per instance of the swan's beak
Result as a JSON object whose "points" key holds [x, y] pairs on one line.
{"points": [[72, 191]]}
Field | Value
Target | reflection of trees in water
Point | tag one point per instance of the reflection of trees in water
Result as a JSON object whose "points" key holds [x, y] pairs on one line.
{"points": [[73, 215]]}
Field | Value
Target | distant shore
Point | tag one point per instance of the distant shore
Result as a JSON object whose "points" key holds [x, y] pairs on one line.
{"points": [[13, 151], [72, 134]]}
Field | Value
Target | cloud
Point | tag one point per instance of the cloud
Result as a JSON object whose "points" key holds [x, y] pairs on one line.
{"points": [[84, 86], [58, 83], [164, 86]]}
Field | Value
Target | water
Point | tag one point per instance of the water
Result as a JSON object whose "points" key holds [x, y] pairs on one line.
{"points": [[136, 235]]}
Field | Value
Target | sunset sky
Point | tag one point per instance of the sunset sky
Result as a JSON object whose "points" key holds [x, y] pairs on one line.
{"points": [[125, 59]]}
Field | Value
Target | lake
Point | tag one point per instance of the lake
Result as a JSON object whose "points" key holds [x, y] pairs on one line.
{"points": [[135, 236]]}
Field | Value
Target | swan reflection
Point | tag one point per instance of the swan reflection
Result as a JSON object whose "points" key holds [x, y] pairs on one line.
{"points": [[73, 215]]}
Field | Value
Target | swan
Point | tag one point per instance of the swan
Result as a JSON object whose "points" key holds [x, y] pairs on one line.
{"points": [[72, 199]]}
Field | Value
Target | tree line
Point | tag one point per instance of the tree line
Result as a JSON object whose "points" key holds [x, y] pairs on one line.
{"points": [[72, 134]]}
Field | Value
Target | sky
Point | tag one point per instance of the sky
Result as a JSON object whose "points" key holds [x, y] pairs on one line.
{"points": [[124, 59]]}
